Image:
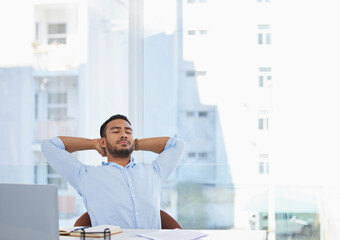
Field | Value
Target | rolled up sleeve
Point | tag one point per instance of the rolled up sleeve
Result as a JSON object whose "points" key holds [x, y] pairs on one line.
{"points": [[169, 159], [63, 162]]}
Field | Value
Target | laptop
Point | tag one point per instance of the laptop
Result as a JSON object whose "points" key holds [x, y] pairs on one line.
{"points": [[28, 212]]}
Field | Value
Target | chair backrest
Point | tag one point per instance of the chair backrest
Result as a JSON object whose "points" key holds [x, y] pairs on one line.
{"points": [[168, 222]]}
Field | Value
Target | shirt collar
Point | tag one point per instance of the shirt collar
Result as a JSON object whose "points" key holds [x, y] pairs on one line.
{"points": [[130, 164]]}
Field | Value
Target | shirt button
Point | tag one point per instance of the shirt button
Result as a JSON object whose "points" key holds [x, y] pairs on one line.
{"points": [[137, 213], [133, 195]]}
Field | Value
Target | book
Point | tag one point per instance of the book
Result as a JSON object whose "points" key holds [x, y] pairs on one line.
{"points": [[94, 232]]}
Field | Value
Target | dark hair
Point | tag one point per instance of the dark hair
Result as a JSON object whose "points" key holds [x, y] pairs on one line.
{"points": [[114, 117]]}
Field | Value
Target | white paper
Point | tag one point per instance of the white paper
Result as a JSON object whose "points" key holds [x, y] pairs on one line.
{"points": [[177, 234], [101, 228], [138, 238]]}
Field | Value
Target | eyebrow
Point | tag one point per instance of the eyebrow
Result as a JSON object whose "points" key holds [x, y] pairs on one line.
{"points": [[120, 128]]}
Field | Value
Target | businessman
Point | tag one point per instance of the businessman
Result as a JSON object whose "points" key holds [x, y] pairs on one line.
{"points": [[119, 192]]}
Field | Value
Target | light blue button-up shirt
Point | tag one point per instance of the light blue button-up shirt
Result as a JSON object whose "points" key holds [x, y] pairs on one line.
{"points": [[128, 196]]}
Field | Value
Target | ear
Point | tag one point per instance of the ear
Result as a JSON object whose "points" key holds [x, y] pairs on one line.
{"points": [[103, 142]]}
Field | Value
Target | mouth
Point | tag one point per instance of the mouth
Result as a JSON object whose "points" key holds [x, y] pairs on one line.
{"points": [[124, 142]]}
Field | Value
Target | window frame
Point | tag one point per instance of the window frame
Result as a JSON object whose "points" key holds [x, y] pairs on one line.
{"points": [[50, 36]]}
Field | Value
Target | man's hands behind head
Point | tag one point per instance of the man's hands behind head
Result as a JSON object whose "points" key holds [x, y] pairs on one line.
{"points": [[99, 147]]}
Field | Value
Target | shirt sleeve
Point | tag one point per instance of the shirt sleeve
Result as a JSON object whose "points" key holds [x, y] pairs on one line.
{"points": [[63, 162], [169, 159]]}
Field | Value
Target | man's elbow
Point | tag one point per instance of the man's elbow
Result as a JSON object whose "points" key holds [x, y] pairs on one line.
{"points": [[180, 145]]}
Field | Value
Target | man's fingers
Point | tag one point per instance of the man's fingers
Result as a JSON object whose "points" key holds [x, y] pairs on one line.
{"points": [[104, 153]]}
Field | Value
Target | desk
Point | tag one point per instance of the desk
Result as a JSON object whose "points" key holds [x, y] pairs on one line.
{"points": [[212, 235]]}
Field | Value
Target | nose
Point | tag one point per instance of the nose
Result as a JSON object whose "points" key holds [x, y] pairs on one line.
{"points": [[124, 135]]}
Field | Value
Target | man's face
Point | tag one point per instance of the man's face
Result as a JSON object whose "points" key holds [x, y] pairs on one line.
{"points": [[119, 138]]}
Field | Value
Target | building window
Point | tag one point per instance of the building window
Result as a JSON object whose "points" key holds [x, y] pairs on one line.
{"points": [[57, 106], [198, 1], [191, 154], [263, 163], [37, 31], [203, 114], [191, 32], [263, 124], [193, 73], [201, 32], [203, 155], [264, 76], [56, 33], [264, 37], [201, 73], [263, 168], [190, 114]]}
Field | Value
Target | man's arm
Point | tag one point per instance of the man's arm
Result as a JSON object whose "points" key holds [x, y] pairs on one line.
{"points": [[73, 144], [155, 145], [62, 161], [168, 160]]}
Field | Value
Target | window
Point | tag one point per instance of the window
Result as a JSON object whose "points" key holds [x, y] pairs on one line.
{"points": [[56, 33], [263, 123], [44, 84], [203, 114], [203, 155], [232, 186], [265, 78], [201, 73], [193, 73], [191, 32], [264, 37], [263, 164], [198, 1], [201, 32], [37, 31], [260, 81], [190, 73], [57, 106], [190, 114]]}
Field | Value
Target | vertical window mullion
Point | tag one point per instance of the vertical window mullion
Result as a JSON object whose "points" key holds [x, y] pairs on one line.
{"points": [[136, 82]]}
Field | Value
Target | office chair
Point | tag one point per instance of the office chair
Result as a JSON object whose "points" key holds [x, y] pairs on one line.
{"points": [[168, 222]]}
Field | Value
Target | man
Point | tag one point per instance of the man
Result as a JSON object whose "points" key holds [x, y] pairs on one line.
{"points": [[119, 192]]}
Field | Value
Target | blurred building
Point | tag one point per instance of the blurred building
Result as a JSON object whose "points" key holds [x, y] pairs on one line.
{"points": [[71, 66]]}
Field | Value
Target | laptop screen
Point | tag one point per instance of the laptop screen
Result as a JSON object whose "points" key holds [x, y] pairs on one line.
{"points": [[28, 212]]}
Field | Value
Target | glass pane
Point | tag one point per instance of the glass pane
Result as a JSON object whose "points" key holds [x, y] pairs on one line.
{"points": [[44, 87], [260, 38], [261, 123], [57, 98], [260, 81], [227, 151], [268, 38], [57, 113], [57, 41], [56, 28]]}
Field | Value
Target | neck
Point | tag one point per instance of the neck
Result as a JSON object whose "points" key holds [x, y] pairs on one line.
{"points": [[123, 161]]}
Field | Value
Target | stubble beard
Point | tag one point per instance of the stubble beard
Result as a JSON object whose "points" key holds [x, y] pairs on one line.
{"points": [[115, 152]]}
